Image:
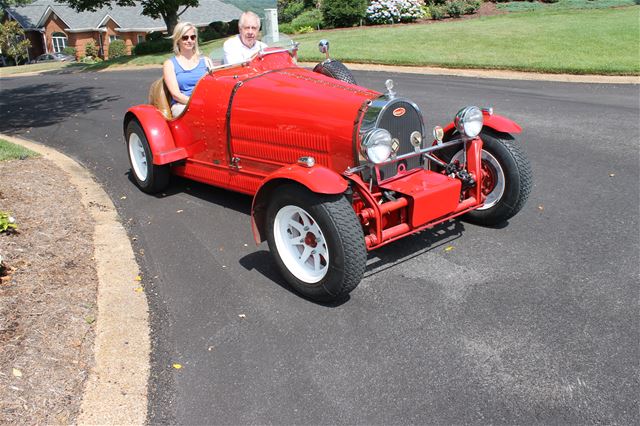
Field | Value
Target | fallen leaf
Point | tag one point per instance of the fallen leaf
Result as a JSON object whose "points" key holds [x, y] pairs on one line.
{"points": [[179, 211], [210, 348], [448, 248], [123, 198], [612, 174], [540, 207], [89, 319], [243, 316], [138, 289], [177, 366], [17, 373], [138, 278]]}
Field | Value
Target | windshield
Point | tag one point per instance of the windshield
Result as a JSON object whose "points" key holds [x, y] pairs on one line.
{"points": [[283, 42]]}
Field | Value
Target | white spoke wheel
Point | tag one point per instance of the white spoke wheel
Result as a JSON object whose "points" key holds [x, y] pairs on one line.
{"points": [[506, 178], [301, 244], [149, 177], [316, 241]]}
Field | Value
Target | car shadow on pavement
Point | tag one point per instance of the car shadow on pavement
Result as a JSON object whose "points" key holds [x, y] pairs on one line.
{"points": [[263, 262], [46, 104], [410, 247], [236, 201], [378, 261]]}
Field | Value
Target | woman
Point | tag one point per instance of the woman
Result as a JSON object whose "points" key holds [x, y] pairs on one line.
{"points": [[182, 72]]}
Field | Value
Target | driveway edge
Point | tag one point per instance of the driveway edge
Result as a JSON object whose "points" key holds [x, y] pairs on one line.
{"points": [[499, 74], [116, 390]]}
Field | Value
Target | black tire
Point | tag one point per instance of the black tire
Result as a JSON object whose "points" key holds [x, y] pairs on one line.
{"points": [[335, 69], [149, 177], [510, 157], [340, 235]]}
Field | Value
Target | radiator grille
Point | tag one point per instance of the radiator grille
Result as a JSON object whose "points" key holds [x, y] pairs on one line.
{"points": [[400, 128]]}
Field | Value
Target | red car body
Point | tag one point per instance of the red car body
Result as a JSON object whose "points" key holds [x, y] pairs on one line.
{"points": [[257, 126]]}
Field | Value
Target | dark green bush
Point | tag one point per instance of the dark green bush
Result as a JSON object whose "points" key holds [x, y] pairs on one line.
{"points": [[343, 13], [455, 8], [438, 12], [309, 18], [435, 2], [286, 28], [117, 48], [69, 51], [155, 36], [291, 10], [471, 6], [220, 27], [209, 34], [156, 46], [549, 1], [90, 49], [233, 28]]}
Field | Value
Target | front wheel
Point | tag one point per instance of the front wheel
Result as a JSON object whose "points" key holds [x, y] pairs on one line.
{"points": [[316, 241], [506, 179], [149, 177]]}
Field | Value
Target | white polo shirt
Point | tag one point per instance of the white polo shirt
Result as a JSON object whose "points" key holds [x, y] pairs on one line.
{"points": [[235, 51]]}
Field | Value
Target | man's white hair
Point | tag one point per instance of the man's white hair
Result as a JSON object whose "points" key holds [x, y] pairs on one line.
{"points": [[245, 16]]}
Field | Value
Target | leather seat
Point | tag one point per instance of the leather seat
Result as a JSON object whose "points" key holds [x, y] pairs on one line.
{"points": [[160, 98]]}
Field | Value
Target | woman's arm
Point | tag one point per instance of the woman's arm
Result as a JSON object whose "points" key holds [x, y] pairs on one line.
{"points": [[169, 75]]}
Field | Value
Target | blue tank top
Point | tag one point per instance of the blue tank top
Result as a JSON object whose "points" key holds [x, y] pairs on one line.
{"points": [[187, 79]]}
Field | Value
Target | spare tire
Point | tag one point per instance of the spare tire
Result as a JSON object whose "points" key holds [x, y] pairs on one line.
{"points": [[335, 69]]}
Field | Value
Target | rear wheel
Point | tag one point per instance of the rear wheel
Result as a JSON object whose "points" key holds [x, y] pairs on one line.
{"points": [[506, 178], [335, 69], [316, 241], [149, 177]]}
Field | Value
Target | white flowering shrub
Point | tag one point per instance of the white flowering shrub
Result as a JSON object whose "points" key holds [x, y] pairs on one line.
{"points": [[394, 11]]}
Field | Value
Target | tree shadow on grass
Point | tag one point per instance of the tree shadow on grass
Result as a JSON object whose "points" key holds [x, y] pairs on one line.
{"points": [[46, 104]]}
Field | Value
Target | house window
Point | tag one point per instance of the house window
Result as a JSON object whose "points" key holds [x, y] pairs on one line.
{"points": [[113, 38], [140, 38], [59, 41]]}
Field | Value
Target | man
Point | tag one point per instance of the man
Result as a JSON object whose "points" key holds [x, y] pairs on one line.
{"points": [[246, 44]]}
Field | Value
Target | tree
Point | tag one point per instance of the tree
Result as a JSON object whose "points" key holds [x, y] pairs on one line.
{"points": [[343, 13], [12, 41], [168, 10]]}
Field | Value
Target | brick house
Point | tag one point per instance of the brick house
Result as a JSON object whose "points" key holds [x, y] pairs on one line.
{"points": [[52, 26]]}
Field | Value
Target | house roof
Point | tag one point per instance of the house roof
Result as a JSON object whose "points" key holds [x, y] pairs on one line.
{"points": [[34, 16]]}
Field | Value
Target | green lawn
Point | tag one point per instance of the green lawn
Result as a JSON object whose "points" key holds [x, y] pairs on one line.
{"points": [[9, 151], [522, 6], [599, 41], [554, 38]]}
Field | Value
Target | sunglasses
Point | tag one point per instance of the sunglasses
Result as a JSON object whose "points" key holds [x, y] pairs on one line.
{"points": [[187, 37]]}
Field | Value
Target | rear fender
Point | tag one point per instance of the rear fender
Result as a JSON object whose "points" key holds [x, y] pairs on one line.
{"points": [[496, 122], [158, 134], [316, 179]]}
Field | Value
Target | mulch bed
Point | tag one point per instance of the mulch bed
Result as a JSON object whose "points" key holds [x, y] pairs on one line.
{"points": [[47, 295]]}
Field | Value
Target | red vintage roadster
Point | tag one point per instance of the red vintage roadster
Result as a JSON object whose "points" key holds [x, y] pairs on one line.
{"points": [[335, 169]]}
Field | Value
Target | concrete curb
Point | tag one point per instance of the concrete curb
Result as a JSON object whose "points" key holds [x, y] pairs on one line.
{"points": [[116, 390]]}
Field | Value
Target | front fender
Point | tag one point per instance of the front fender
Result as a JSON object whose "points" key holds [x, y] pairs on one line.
{"points": [[496, 122], [158, 134], [316, 179]]}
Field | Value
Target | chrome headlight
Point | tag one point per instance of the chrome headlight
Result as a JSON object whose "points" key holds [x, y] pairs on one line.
{"points": [[469, 121], [377, 145]]}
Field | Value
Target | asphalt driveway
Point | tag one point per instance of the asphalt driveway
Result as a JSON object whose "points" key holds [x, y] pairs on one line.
{"points": [[536, 321]]}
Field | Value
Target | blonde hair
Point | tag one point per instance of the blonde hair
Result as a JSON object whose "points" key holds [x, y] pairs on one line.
{"points": [[180, 30], [246, 15]]}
